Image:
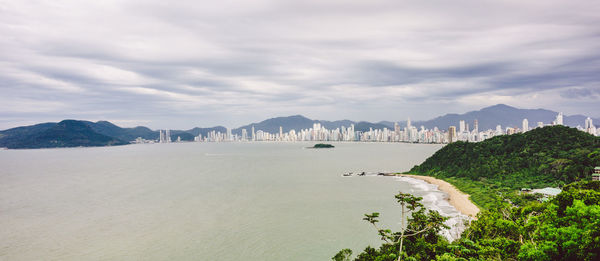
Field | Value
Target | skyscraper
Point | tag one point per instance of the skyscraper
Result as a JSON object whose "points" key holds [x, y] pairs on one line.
{"points": [[589, 126], [280, 132], [461, 127], [588, 123], [161, 136], [408, 123], [451, 134], [559, 119], [476, 126], [525, 125], [244, 135]]}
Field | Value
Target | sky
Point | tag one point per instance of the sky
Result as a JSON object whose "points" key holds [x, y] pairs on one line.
{"points": [[182, 64]]}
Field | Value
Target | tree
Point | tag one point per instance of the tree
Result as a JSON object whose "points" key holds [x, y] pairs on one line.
{"points": [[343, 255], [420, 222], [563, 228]]}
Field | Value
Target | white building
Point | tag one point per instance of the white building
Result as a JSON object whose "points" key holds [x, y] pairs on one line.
{"points": [[589, 126], [525, 126], [559, 119]]}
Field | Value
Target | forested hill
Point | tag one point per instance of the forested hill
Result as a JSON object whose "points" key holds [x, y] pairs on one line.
{"points": [[546, 156], [67, 133]]}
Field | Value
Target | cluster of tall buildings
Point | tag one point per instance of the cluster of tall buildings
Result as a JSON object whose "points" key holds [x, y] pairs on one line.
{"points": [[474, 135], [164, 136], [410, 133]]}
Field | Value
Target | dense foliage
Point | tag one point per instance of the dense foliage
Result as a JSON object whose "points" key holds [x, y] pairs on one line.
{"points": [[564, 228], [419, 238], [67, 133], [549, 156], [515, 226]]}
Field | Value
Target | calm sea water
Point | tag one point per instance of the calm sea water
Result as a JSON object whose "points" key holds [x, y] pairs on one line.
{"points": [[201, 201]]}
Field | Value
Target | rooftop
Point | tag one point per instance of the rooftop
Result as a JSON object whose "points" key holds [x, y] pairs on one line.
{"points": [[548, 191]]}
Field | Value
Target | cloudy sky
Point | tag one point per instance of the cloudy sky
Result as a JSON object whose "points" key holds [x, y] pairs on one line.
{"points": [[180, 64]]}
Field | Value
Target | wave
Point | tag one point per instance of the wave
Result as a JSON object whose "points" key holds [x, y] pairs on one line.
{"points": [[434, 199]]}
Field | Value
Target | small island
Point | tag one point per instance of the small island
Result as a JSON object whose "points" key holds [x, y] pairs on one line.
{"points": [[322, 146]]}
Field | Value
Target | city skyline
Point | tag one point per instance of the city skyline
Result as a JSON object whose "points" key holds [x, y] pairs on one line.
{"points": [[384, 122], [234, 62], [409, 133]]}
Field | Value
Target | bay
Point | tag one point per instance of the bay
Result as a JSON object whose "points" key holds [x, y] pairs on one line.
{"points": [[198, 201]]}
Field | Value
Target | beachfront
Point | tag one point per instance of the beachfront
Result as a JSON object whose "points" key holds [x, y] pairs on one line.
{"points": [[456, 198]]}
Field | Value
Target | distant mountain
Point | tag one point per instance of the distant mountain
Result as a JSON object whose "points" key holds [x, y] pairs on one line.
{"points": [[86, 133], [299, 122], [503, 115], [488, 118], [128, 134], [296, 122], [67, 133], [74, 133], [205, 131]]}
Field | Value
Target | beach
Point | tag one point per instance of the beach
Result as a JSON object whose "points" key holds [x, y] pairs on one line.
{"points": [[456, 198]]}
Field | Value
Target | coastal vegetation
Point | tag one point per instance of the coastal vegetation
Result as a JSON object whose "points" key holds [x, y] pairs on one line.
{"points": [[549, 156], [513, 225], [564, 228], [544, 157]]}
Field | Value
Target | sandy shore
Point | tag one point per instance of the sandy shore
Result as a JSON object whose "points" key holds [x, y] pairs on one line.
{"points": [[457, 199]]}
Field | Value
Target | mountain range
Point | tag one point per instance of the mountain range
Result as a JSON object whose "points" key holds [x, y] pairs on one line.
{"points": [[503, 115], [75, 133], [299, 122]]}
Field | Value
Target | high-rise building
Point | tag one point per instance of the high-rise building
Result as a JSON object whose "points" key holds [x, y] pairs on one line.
{"points": [[525, 126], [164, 136], [408, 123], [476, 126], [253, 134], [589, 126], [559, 119], [451, 134], [461, 126], [244, 135], [588, 123], [280, 132]]}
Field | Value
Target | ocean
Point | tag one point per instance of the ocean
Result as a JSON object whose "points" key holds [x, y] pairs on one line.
{"points": [[204, 201]]}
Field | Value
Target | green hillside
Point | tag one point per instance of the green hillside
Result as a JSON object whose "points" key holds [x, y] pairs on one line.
{"points": [[563, 228], [549, 156], [67, 133]]}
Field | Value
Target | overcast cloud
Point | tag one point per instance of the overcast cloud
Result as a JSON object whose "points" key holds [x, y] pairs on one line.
{"points": [[205, 63]]}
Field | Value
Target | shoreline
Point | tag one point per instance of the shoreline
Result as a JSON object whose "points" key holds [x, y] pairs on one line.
{"points": [[457, 198]]}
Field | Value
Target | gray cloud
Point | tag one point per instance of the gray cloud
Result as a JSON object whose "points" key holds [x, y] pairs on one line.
{"points": [[231, 62], [576, 93]]}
